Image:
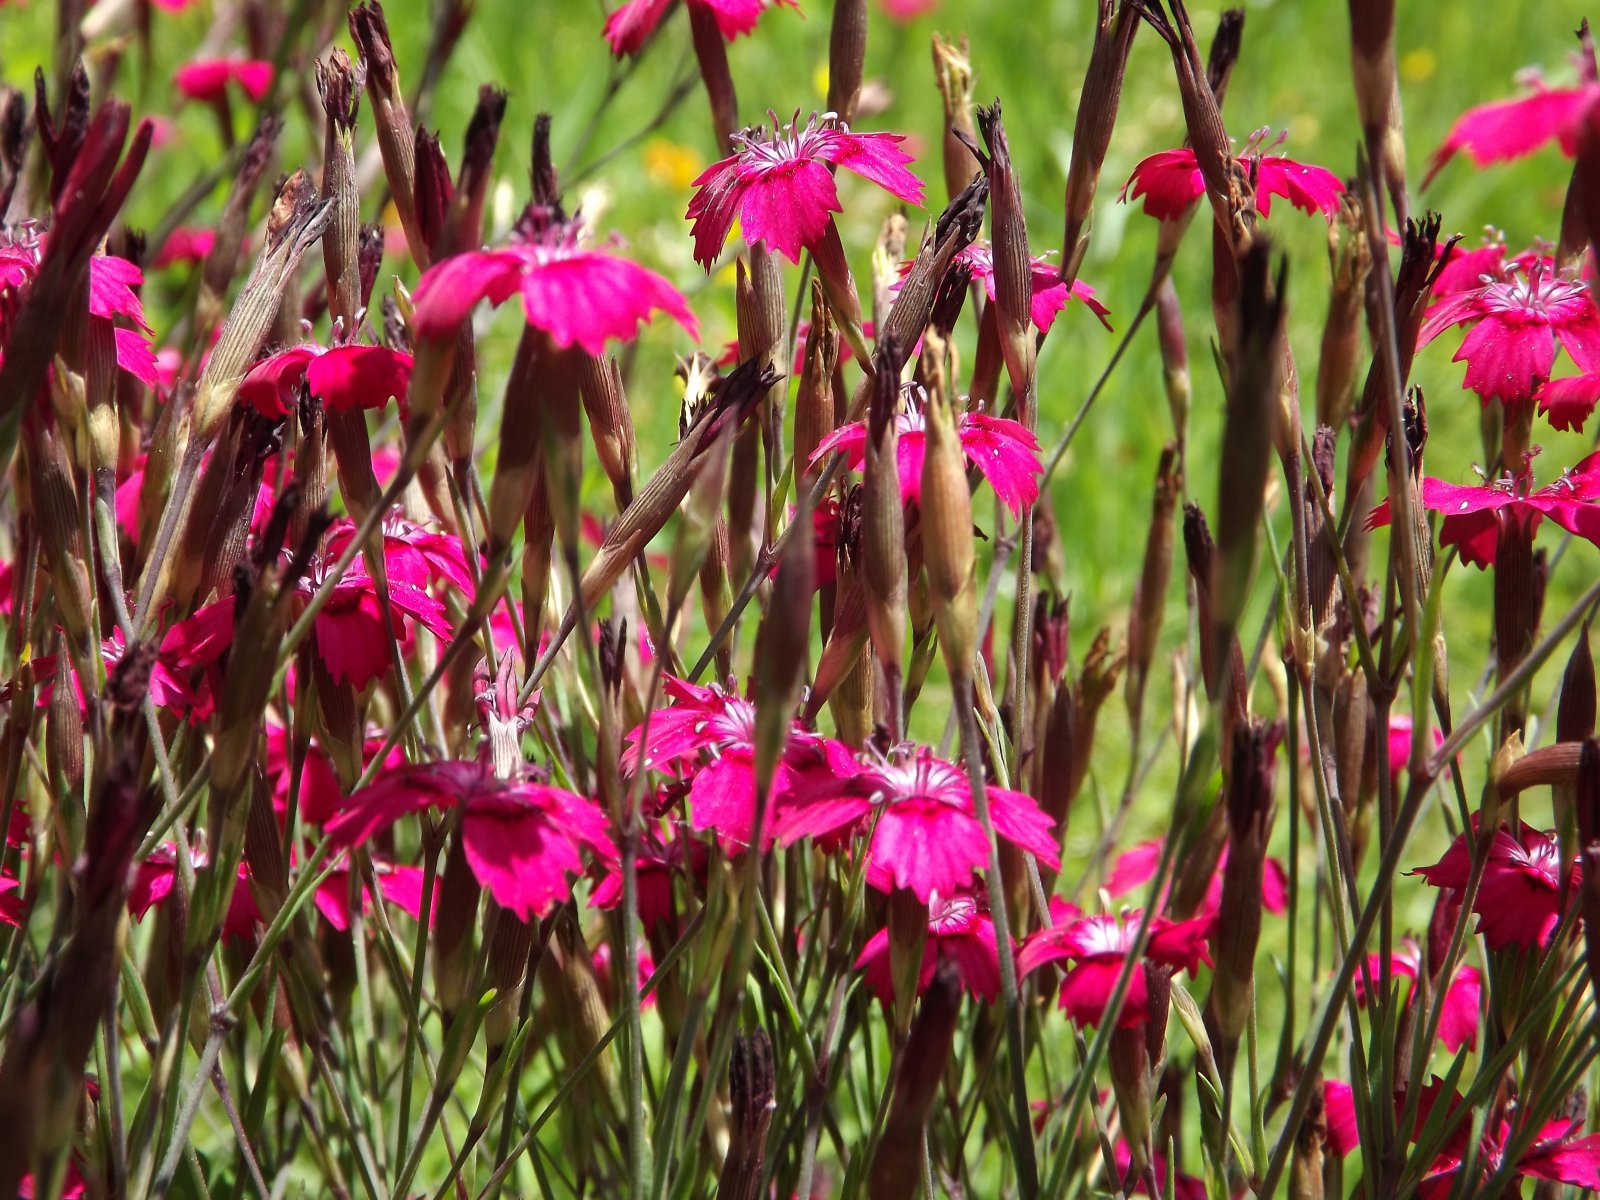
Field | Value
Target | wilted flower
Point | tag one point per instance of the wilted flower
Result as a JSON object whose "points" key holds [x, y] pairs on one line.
{"points": [[344, 378], [630, 24], [208, 79], [1473, 512], [722, 793], [1170, 181], [1519, 314], [1005, 452], [1098, 947], [524, 841], [959, 932], [779, 187], [1519, 898], [579, 296], [1508, 129], [927, 838]]}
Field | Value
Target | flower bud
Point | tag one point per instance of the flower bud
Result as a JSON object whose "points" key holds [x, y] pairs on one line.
{"points": [[610, 424], [1013, 267], [948, 553], [222, 260], [752, 1092], [339, 84], [1588, 805], [783, 644], [55, 507], [1575, 713], [1350, 259], [815, 405], [908, 942], [1517, 597], [1150, 593], [1115, 25], [1378, 91], [897, 1166], [1174, 358], [847, 57], [64, 735], [883, 531], [511, 943], [952, 73], [396, 140]]}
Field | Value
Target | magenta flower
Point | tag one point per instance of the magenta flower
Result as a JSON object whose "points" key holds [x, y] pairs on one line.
{"points": [[1519, 898], [960, 932], [185, 245], [154, 879], [630, 24], [1137, 866], [208, 79], [345, 378], [1400, 734], [1050, 294], [1170, 181], [1557, 1153], [524, 841], [601, 958], [1458, 1020], [11, 910], [412, 554], [659, 864], [927, 838], [1504, 130], [1098, 946], [1339, 1111], [1184, 1187], [781, 191], [401, 887], [709, 720], [579, 296], [1005, 452], [1519, 315], [1473, 512]]}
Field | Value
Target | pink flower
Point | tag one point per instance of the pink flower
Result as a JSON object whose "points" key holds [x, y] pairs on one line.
{"points": [[927, 838], [185, 244], [722, 793], [1518, 316], [1170, 181], [524, 841], [780, 189], [960, 932], [601, 957], [208, 79], [1458, 1020], [1050, 295], [1473, 512], [1005, 452], [412, 553], [1400, 742], [1509, 129], [578, 296], [657, 866], [1339, 1111], [156, 876], [1184, 1187], [11, 909], [1137, 866], [345, 378], [1098, 946], [1557, 1154], [907, 10], [401, 886], [1519, 898], [630, 24]]}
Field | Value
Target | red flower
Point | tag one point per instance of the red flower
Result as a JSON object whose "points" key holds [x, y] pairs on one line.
{"points": [[412, 553], [1050, 295], [401, 886], [631, 23], [344, 378], [524, 841], [1170, 182], [781, 190], [658, 864], [185, 244], [1005, 452], [1473, 512], [722, 794], [11, 910], [1557, 1153], [578, 296], [1458, 1021], [1519, 898], [1138, 865], [1509, 129], [1098, 947], [1339, 1111], [601, 957], [959, 931], [156, 876], [927, 838], [1518, 315], [1184, 1187], [208, 79]]}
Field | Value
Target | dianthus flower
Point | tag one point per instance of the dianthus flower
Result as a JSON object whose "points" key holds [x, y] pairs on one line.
{"points": [[1473, 512], [524, 841], [658, 863], [344, 378], [1170, 181], [960, 932], [779, 188], [708, 719], [631, 23], [208, 79], [412, 553], [1005, 452], [1519, 314], [927, 838], [1049, 293], [1137, 865], [401, 887], [1519, 897], [578, 295], [187, 244], [1503, 130], [1098, 947], [1557, 1153], [1458, 1020], [155, 877]]}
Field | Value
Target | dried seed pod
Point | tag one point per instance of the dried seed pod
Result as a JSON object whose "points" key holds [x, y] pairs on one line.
{"points": [[752, 1092], [1150, 593], [1377, 87]]}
